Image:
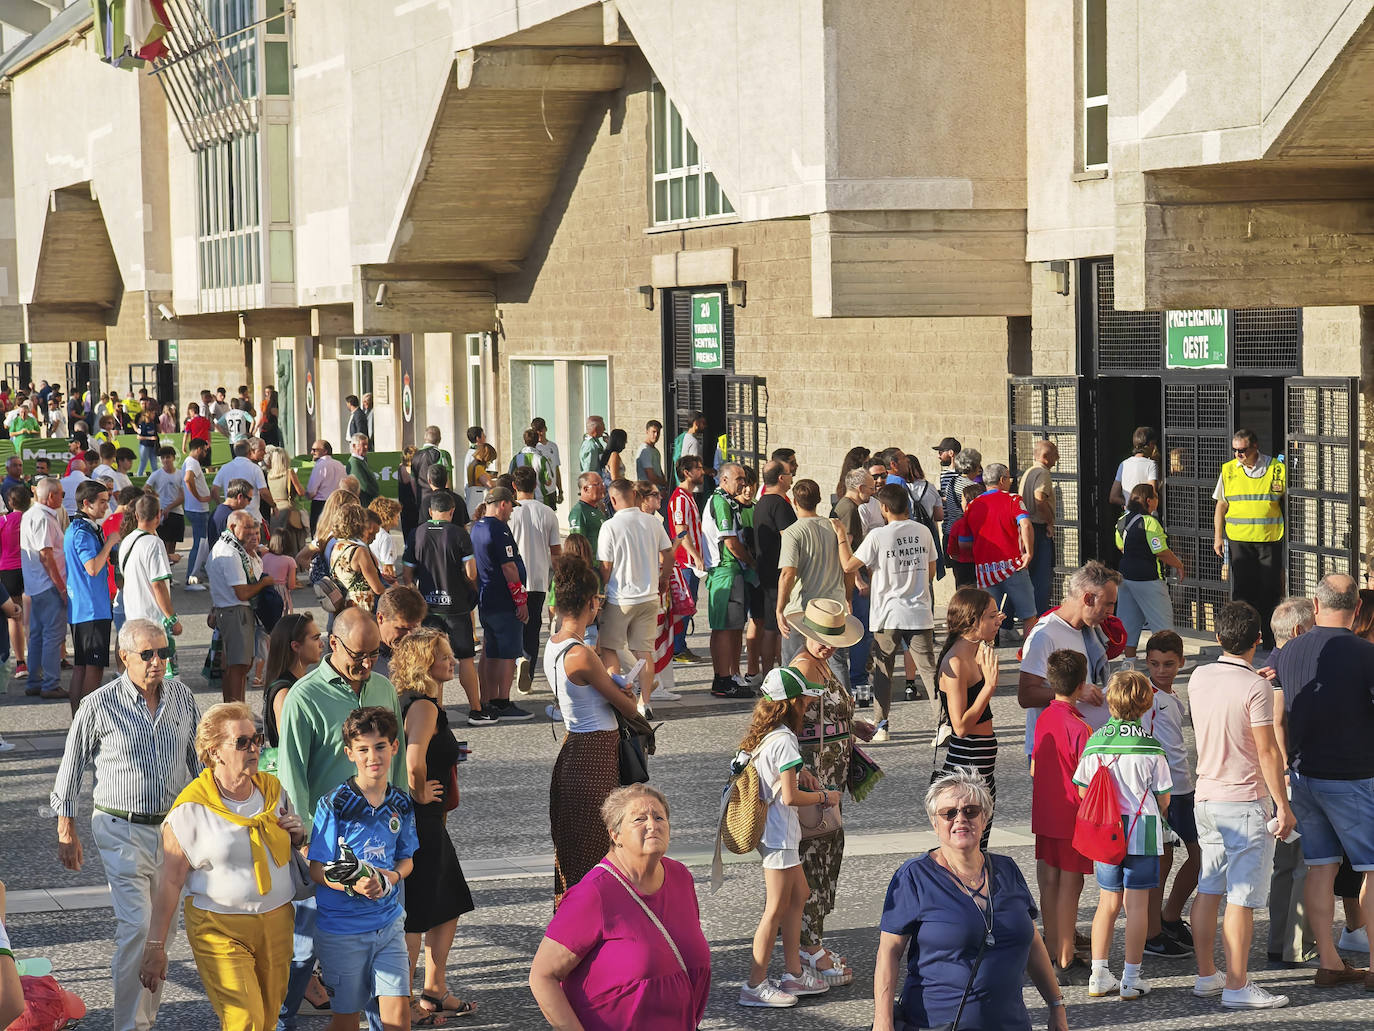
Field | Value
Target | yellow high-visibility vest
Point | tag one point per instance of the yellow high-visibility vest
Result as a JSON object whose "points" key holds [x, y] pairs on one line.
{"points": [[1254, 504]]}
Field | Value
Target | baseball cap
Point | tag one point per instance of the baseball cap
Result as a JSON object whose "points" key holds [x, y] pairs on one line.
{"points": [[948, 444], [783, 683], [496, 495]]}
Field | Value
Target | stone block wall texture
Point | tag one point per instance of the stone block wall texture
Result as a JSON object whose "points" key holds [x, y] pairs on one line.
{"points": [[832, 383]]}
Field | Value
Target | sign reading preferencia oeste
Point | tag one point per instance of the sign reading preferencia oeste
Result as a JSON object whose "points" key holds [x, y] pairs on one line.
{"points": [[1195, 338]]}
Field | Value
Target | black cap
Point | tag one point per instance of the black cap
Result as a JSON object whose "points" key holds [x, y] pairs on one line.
{"points": [[948, 444]]}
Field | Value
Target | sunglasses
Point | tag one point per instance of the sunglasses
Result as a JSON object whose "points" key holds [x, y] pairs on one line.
{"points": [[358, 656], [242, 743], [148, 654], [1239, 450], [971, 812]]}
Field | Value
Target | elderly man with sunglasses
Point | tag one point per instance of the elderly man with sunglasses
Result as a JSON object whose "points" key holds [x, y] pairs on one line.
{"points": [[311, 760], [138, 734]]}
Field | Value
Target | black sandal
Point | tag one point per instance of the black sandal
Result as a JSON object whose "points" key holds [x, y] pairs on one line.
{"points": [[421, 1017], [465, 1007]]}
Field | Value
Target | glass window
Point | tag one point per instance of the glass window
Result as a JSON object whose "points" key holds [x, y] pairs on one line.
{"points": [[474, 381], [282, 246], [684, 188], [541, 392], [596, 395], [278, 62], [1094, 73]]}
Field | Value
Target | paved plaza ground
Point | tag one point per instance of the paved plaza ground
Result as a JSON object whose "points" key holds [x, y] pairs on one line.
{"points": [[501, 832]]}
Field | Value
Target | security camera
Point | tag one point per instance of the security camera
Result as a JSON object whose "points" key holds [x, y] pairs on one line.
{"points": [[167, 314], [380, 299]]}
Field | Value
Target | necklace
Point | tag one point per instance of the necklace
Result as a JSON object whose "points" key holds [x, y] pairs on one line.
{"points": [[975, 893]]}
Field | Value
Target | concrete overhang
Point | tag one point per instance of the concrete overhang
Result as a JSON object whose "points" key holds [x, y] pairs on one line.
{"points": [[77, 287], [425, 297]]}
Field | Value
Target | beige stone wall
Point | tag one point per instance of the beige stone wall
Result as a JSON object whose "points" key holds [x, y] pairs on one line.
{"points": [[1054, 324], [1331, 342], [832, 383]]}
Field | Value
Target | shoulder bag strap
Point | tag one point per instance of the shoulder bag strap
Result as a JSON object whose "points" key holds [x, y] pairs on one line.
{"points": [[982, 947], [647, 911]]}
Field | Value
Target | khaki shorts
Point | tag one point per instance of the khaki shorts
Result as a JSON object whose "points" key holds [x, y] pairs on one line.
{"points": [[629, 626], [237, 632]]}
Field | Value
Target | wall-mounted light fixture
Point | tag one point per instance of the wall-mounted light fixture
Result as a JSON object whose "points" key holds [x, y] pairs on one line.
{"points": [[737, 293], [1059, 276], [646, 297]]}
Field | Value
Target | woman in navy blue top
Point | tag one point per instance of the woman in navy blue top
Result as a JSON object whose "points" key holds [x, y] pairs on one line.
{"points": [[946, 905]]}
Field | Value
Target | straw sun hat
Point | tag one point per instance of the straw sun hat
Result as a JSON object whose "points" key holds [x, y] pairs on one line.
{"points": [[826, 622]]}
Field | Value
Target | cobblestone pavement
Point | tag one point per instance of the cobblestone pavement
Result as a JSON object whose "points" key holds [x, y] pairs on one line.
{"points": [[501, 831]]}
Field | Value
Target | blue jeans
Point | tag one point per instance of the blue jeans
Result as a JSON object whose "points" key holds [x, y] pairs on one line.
{"points": [[1019, 593], [47, 630], [303, 968], [680, 638], [1041, 568], [147, 458], [200, 548], [858, 653]]}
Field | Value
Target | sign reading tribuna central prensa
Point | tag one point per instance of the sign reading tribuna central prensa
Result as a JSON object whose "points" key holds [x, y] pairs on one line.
{"points": [[706, 334], [1195, 338]]}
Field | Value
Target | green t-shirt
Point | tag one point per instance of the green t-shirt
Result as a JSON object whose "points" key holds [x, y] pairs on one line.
{"points": [[586, 520]]}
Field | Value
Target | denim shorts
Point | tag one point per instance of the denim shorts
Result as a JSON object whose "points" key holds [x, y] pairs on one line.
{"points": [[362, 966], [503, 635], [1237, 851], [1135, 872], [1182, 818], [1335, 816]]}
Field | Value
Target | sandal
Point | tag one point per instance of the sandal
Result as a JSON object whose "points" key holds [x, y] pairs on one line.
{"points": [[421, 1017], [317, 994], [836, 975], [465, 1007]]}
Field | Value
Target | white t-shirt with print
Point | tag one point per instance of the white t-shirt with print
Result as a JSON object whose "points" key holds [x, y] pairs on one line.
{"points": [[169, 487], [1047, 636], [143, 560], [776, 753], [1138, 779], [898, 557], [1164, 723]]}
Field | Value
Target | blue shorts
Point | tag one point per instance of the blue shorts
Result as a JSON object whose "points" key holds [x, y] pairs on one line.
{"points": [[1182, 818], [503, 636], [1135, 872], [361, 966], [1333, 816]]}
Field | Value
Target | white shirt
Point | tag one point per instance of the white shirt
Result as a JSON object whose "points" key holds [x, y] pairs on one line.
{"points": [[221, 879], [632, 542], [241, 468], [1049, 635], [143, 562], [535, 528], [1164, 723], [384, 550], [70, 482], [776, 753], [105, 471], [225, 569], [550, 451], [38, 529], [168, 486], [237, 425], [325, 477], [1135, 470], [1257, 472], [121, 480], [871, 515], [190, 502], [898, 557]]}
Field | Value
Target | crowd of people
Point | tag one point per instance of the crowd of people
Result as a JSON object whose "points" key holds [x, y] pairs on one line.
{"points": [[305, 822]]}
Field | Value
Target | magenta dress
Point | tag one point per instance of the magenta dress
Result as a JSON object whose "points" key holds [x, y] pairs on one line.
{"points": [[629, 978]]}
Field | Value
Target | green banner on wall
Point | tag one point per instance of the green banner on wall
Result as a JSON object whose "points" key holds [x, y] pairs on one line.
{"points": [[706, 331], [1195, 339]]}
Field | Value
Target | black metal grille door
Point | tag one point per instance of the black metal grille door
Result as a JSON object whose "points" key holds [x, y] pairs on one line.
{"points": [[1323, 509], [1046, 408], [1197, 443], [683, 382], [1127, 342], [746, 420]]}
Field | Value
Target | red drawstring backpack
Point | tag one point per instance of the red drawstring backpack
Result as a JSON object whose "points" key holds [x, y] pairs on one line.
{"points": [[1098, 833]]}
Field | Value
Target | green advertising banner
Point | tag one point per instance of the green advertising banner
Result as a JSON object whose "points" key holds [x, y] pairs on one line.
{"points": [[57, 448], [1195, 339], [706, 332]]}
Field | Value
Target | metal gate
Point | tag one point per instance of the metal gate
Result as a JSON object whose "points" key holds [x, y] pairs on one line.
{"points": [[746, 420], [1197, 443], [1046, 408], [143, 377], [1323, 508], [684, 387]]}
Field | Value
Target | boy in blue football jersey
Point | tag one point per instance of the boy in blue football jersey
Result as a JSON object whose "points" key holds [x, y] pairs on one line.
{"points": [[360, 851]]}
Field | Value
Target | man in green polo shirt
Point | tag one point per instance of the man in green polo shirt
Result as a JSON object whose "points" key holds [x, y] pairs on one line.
{"points": [[311, 760], [586, 515]]}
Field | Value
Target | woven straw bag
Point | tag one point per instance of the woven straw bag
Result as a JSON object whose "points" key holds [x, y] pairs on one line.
{"points": [[741, 828]]}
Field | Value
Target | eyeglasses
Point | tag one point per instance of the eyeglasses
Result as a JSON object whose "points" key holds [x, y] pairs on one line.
{"points": [[1240, 450], [357, 656], [242, 743], [148, 654], [971, 813], [317, 450]]}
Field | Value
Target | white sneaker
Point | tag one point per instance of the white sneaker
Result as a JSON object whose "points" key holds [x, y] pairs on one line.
{"points": [[1134, 989], [195, 587], [1251, 997], [805, 983], [1209, 987], [664, 695], [1355, 941], [880, 735], [1102, 983], [941, 735], [524, 675], [765, 994]]}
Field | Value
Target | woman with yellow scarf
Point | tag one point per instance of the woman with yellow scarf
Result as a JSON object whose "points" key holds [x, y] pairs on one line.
{"points": [[227, 840]]}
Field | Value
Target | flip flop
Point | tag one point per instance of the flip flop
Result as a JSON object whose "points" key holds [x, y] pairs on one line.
{"points": [[464, 1008]]}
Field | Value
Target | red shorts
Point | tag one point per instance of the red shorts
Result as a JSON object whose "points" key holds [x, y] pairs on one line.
{"points": [[1060, 854]]}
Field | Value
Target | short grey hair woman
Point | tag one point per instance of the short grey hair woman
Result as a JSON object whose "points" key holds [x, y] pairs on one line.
{"points": [[969, 920]]}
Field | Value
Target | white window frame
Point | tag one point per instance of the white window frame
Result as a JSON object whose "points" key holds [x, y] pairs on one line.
{"points": [[473, 378], [691, 174], [1089, 101]]}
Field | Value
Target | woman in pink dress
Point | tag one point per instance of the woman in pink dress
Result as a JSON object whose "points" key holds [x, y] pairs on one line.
{"points": [[625, 950]]}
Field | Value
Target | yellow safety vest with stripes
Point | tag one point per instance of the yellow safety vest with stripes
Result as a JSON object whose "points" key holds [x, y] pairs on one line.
{"points": [[1254, 504]]}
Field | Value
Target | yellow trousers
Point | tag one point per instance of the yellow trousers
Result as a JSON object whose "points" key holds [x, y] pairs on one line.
{"points": [[244, 961]]}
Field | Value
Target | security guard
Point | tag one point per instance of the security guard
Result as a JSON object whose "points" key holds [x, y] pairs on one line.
{"points": [[1249, 518]]}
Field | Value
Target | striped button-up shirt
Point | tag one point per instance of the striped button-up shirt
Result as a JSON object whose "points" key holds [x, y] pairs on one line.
{"points": [[142, 759]]}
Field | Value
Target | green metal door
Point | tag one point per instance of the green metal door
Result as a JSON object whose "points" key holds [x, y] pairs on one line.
{"points": [[286, 399]]}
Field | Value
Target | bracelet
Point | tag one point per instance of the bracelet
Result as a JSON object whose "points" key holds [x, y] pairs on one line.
{"points": [[1056, 1003], [150, 943]]}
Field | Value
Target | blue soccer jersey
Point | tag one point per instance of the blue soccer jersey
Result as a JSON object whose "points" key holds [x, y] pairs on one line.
{"points": [[381, 837]]}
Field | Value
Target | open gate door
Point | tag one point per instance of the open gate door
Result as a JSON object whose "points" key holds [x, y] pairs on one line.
{"points": [[1322, 525], [1198, 423], [746, 420], [1046, 408]]}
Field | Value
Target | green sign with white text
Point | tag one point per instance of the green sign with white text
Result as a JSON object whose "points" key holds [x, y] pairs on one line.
{"points": [[706, 332], [1195, 339]]}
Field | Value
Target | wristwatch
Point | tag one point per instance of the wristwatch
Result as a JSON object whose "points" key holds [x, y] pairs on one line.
{"points": [[1056, 1003]]}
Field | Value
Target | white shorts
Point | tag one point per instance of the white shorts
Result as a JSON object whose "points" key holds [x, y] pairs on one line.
{"points": [[779, 858]]}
